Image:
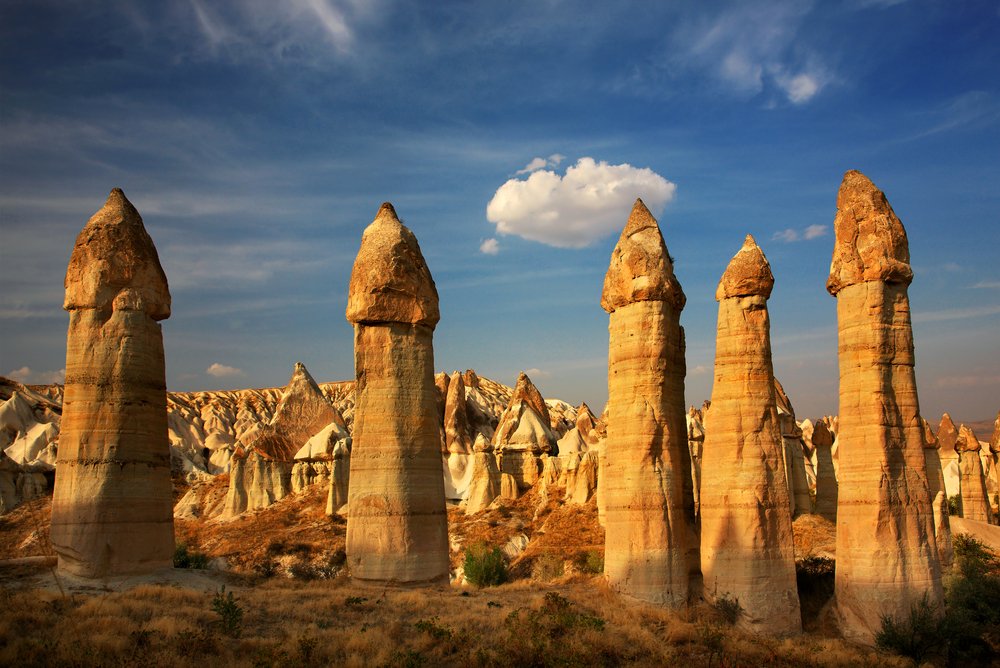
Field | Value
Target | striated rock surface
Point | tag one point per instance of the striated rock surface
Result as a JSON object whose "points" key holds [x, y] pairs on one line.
{"points": [[947, 436], [523, 433], [826, 477], [793, 454], [975, 501], [459, 437], [112, 507], [939, 500], [696, 444], [746, 522], [646, 486], [887, 556], [484, 485], [396, 525]]}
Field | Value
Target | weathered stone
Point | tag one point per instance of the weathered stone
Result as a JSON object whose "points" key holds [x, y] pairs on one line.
{"points": [[645, 478], [794, 459], [696, 443], [523, 433], [484, 486], [939, 500], [112, 508], [340, 477], [975, 500], [746, 523], [459, 437], [887, 556], [947, 437], [826, 477], [396, 527]]}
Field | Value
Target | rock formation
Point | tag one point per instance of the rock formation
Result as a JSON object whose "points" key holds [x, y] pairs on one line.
{"points": [[939, 501], [524, 433], [459, 437], [975, 501], [887, 557], [112, 507], [995, 465], [746, 523], [645, 478], [792, 452], [947, 436], [484, 485], [397, 528], [826, 477], [696, 445], [262, 462]]}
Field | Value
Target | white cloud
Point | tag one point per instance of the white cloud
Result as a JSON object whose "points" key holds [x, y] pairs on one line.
{"points": [[799, 88], [541, 163], [791, 235], [698, 370], [537, 373], [592, 200], [223, 371], [986, 285], [955, 314], [489, 247], [814, 231], [26, 375]]}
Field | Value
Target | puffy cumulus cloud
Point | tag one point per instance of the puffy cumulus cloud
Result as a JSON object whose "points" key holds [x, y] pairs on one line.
{"points": [[800, 88], [590, 201], [223, 371], [489, 247], [790, 235], [541, 163], [537, 373], [26, 375]]}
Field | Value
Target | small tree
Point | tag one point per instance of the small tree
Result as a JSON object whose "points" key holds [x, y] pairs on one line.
{"points": [[485, 567]]}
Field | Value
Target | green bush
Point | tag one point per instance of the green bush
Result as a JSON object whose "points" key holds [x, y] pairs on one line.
{"points": [[916, 636], [185, 558], [955, 505], [485, 567], [591, 561], [972, 599], [229, 611]]}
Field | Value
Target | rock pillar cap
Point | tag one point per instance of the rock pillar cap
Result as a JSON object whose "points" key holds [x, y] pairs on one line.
{"points": [[641, 269], [748, 273], [114, 264], [870, 242], [390, 281]]}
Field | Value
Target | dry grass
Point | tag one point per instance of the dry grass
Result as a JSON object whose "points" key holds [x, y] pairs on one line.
{"points": [[334, 622]]}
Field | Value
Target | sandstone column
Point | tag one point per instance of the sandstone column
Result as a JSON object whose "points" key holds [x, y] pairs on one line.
{"points": [[975, 503], [396, 524], [887, 558], [746, 523], [995, 468], [826, 477], [939, 501], [112, 507], [646, 474]]}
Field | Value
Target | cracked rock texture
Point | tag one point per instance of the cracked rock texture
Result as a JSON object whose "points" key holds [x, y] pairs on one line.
{"points": [[645, 478], [887, 556], [112, 507], [746, 521], [396, 524]]}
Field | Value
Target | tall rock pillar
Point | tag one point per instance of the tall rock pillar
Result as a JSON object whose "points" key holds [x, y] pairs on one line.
{"points": [[397, 529], [887, 558], [975, 499], [112, 507], [939, 501], [746, 523], [647, 468]]}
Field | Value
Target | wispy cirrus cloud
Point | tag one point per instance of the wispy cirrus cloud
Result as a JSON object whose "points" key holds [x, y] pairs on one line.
{"points": [[27, 375], [791, 235]]}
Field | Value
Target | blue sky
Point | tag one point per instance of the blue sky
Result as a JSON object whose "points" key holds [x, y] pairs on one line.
{"points": [[257, 139]]}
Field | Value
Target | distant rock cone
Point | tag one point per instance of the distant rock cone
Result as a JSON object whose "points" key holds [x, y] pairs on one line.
{"points": [[975, 501], [696, 446], [826, 476], [947, 437], [746, 523], [459, 438], [261, 469], [484, 485], [646, 486], [112, 507], [887, 556], [939, 500], [397, 529], [795, 462], [523, 433]]}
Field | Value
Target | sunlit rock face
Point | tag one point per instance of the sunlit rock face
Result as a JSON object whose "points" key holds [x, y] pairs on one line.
{"points": [[826, 476], [645, 478], [523, 434], [887, 556], [746, 522], [995, 464], [947, 437], [396, 528], [939, 500], [112, 508], [793, 444], [975, 504], [484, 485]]}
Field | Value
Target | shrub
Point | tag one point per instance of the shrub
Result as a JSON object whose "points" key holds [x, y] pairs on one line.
{"points": [[230, 612], [485, 567], [972, 597], [185, 558], [955, 505], [916, 636], [591, 561], [728, 608]]}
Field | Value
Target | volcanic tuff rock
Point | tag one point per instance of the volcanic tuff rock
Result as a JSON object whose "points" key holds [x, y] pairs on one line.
{"points": [[947, 436], [826, 478], [696, 445], [887, 556], [523, 433], [459, 437], [746, 523], [112, 509], [484, 485], [939, 500], [795, 461], [396, 526], [645, 478], [975, 503]]}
